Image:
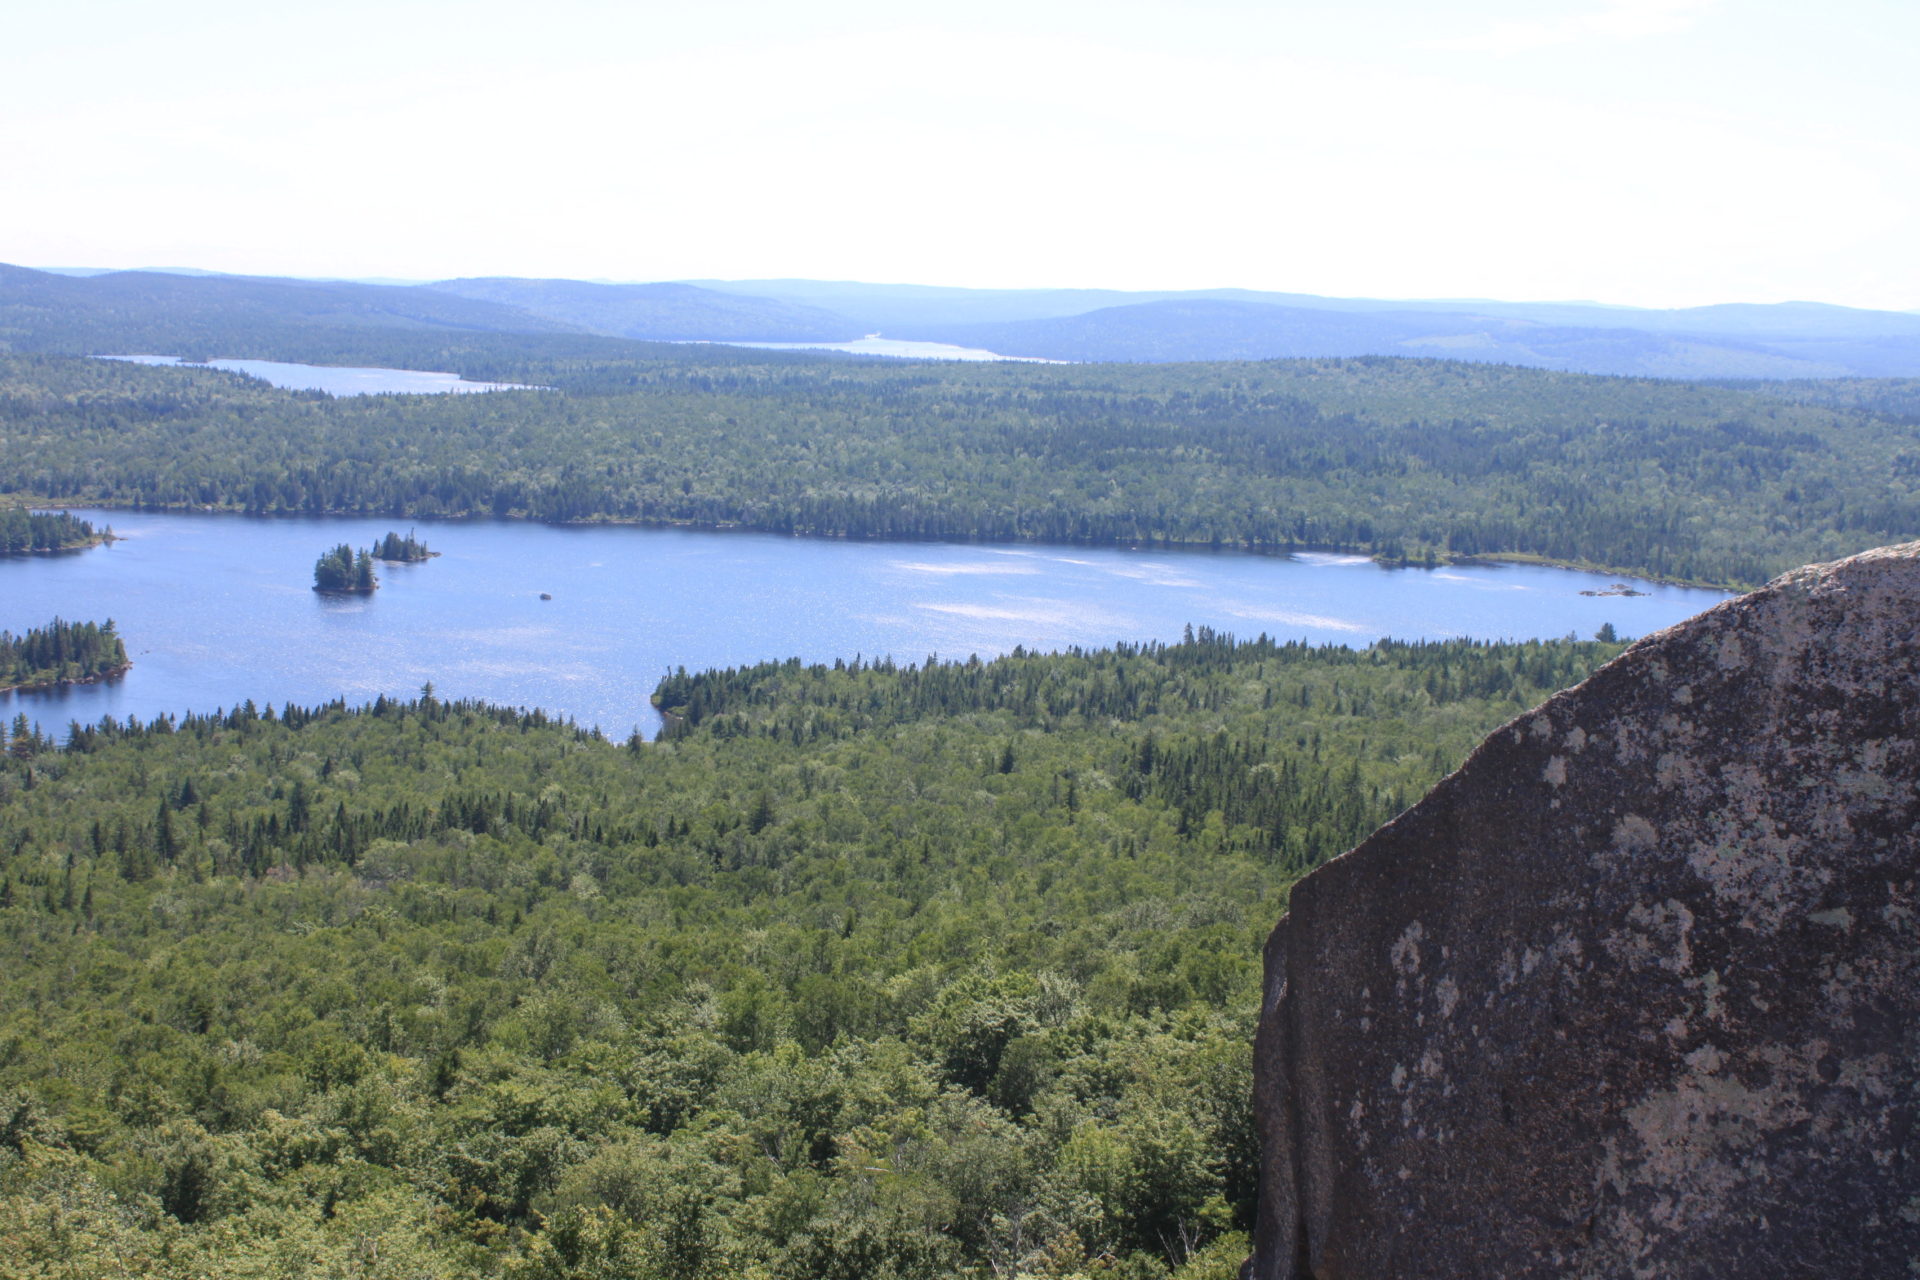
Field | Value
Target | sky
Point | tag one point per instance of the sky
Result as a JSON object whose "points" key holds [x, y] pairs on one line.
{"points": [[1642, 152]]}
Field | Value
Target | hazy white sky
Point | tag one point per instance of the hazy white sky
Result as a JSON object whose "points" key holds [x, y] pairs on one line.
{"points": [[1655, 152]]}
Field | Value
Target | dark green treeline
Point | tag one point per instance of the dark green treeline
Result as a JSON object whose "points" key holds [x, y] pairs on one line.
{"points": [[1401, 458]]}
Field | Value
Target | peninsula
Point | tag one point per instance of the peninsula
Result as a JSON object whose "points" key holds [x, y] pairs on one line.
{"points": [[24, 530]]}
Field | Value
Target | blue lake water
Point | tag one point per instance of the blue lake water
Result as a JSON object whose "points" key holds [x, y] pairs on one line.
{"points": [[216, 609], [340, 380]]}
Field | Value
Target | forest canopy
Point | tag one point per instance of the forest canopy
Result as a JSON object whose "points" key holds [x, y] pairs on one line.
{"points": [[872, 970], [1398, 458]]}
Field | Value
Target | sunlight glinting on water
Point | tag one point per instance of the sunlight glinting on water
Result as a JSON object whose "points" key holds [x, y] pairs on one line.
{"points": [[218, 609]]}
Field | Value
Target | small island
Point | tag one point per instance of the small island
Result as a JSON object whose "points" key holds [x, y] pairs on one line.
{"points": [[24, 531], [61, 653], [344, 571], [398, 550]]}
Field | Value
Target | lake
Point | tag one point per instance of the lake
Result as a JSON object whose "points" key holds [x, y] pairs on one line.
{"points": [[216, 609], [338, 380]]}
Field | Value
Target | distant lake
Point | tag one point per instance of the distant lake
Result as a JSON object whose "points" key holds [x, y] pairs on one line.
{"points": [[875, 345], [338, 380], [216, 609]]}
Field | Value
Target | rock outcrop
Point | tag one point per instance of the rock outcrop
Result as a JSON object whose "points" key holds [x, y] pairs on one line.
{"points": [[1635, 992]]}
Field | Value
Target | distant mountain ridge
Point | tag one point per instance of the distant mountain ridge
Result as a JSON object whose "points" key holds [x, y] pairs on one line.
{"points": [[127, 312], [1728, 340], [1205, 329], [660, 312], [157, 311], [900, 305], [180, 311]]}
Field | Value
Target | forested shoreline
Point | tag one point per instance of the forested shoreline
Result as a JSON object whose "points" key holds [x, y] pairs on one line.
{"points": [[871, 970], [1410, 460]]}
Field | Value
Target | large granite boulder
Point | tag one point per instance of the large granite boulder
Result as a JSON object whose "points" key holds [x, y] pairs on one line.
{"points": [[1635, 992]]}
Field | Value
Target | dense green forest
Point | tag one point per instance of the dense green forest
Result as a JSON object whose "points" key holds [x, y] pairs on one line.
{"points": [[343, 569], [865, 972], [1393, 457], [1892, 399], [61, 652], [23, 530], [402, 550]]}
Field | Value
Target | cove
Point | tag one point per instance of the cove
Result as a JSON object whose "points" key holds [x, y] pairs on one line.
{"points": [[217, 609]]}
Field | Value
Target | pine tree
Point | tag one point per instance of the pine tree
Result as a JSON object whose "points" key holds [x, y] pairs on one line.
{"points": [[165, 847]]}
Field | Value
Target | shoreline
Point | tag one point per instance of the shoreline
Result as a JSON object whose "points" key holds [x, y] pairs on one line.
{"points": [[97, 540], [669, 720], [734, 526], [99, 677], [1589, 566]]}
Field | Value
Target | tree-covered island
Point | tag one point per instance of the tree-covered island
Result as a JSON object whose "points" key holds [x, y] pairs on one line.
{"points": [[60, 653], [344, 571], [398, 550]]}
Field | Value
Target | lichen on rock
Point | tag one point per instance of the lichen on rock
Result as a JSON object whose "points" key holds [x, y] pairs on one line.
{"points": [[1636, 991]]}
